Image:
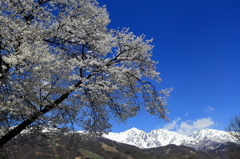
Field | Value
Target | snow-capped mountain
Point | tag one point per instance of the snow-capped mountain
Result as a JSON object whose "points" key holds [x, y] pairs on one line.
{"points": [[211, 135], [161, 137]]}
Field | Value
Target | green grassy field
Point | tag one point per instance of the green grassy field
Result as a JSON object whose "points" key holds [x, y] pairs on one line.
{"points": [[90, 154]]}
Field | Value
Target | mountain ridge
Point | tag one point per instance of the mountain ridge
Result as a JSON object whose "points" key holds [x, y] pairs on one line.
{"points": [[74, 145], [161, 137]]}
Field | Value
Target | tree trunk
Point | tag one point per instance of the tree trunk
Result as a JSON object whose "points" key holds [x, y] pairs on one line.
{"points": [[18, 129]]}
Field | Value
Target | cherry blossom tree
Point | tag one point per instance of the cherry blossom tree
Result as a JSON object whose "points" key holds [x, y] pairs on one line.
{"points": [[62, 66]]}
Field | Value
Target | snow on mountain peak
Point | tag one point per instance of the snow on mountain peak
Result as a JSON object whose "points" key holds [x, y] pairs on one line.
{"points": [[163, 137], [132, 136], [212, 135], [135, 130]]}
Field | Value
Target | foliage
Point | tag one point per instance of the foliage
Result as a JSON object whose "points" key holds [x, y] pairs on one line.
{"points": [[60, 65], [234, 130]]}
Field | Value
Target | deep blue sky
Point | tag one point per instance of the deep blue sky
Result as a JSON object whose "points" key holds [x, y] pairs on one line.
{"points": [[197, 44]]}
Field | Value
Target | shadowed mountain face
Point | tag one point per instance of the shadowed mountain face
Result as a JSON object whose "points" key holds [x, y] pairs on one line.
{"points": [[73, 147]]}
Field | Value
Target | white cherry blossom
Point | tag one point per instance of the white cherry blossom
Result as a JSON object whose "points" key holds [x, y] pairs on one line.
{"points": [[61, 64]]}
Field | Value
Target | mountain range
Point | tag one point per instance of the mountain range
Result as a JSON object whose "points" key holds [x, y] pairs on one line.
{"points": [[130, 144], [199, 140]]}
